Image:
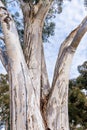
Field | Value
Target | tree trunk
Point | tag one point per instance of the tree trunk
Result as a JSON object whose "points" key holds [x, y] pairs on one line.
{"points": [[32, 51], [34, 105], [25, 112], [33, 47]]}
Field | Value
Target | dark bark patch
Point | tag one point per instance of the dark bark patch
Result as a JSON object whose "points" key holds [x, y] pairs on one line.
{"points": [[48, 129]]}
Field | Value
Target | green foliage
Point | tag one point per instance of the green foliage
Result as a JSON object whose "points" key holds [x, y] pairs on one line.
{"points": [[78, 100], [48, 30], [4, 98], [82, 79], [4, 1]]}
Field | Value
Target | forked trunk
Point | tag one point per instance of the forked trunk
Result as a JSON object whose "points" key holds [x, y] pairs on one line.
{"points": [[34, 105]]}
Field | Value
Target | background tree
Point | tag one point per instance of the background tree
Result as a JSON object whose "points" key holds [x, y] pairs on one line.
{"points": [[4, 100], [78, 99], [35, 105]]}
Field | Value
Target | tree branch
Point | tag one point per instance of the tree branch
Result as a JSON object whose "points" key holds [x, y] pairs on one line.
{"points": [[10, 33], [58, 98], [80, 33], [72, 41], [63, 46], [43, 10]]}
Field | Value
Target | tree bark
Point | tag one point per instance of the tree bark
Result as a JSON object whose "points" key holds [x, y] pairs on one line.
{"points": [[57, 107], [34, 105], [33, 47], [25, 113], [34, 53]]}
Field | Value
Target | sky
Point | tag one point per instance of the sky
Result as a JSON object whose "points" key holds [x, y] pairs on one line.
{"points": [[71, 16]]}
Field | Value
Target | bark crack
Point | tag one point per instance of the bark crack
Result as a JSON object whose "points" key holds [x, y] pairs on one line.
{"points": [[43, 107], [26, 94], [11, 103], [15, 107]]}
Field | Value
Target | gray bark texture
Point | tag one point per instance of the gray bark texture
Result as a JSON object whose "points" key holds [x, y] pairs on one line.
{"points": [[34, 104]]}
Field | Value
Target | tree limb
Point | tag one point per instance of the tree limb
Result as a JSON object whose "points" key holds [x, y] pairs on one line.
{"points": [[80, 33], [58, 98], [43, 10], [64, 45], [10, 33], [72, 41]]}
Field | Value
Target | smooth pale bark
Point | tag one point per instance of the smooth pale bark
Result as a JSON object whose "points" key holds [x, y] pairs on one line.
{"points": [[57, 108], [25, 113], [33, 45], [33, 56], [33, 51], [34, 106]]}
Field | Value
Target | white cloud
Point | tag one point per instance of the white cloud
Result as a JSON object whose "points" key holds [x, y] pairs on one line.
{"points": [[73, 13]]}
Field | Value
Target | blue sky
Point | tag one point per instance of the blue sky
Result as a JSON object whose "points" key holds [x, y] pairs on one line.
{"points": [[73, 13], [71, 16]]}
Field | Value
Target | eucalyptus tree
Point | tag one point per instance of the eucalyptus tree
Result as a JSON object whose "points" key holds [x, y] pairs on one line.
{"points": [[34, 104]]}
